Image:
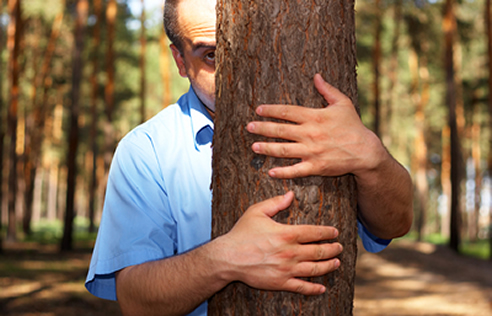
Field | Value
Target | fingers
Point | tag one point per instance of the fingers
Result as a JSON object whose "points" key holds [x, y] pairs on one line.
{"points": [[314, 269], [329, 92], [273, 205], [299, 170], [304, 287], [275, 130], [310, 269], [292, 113], [280, 150], [312, 233]]}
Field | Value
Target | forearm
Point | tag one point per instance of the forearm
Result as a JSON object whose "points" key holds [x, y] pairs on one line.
{"points": [[172, 286], [385, 198]]}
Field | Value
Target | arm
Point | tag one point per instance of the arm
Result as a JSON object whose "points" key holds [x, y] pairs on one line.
{"points": [[257, 251], [333, 142]]}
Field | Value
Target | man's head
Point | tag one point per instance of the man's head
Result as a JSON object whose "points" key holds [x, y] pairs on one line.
{"points": [[190, 25]]}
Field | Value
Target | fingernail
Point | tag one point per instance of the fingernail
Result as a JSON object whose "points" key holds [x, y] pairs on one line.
{"points": [[259, 110], [256, 147], [250, 127], [322, 290], [340, 247], [271, 173], [337, 263], [336, 233]]}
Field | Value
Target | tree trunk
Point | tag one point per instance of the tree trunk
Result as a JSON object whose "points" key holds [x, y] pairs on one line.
{"points": [[393, 74], [94, 114], [449, 26], [165, 66], [13, 43], [477, 157], [446, 181], [488, 21], [109, 138], [3, 123], [81, 14], [142, 63], [376, 60], [270, 54]]}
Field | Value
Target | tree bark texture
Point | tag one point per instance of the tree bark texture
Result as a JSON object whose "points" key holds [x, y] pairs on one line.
{"points": [[268, 52]]}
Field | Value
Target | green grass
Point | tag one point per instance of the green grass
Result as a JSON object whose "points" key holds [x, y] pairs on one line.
{"points": [[479, 249], [51, 232]]}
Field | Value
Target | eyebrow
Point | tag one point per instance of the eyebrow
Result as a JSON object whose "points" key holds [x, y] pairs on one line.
{"points": [[200, 45]]}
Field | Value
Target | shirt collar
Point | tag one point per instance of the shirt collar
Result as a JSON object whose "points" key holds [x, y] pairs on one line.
{"points": [[201, 121]]}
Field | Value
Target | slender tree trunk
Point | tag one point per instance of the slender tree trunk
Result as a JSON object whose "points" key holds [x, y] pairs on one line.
{"points": [[14, 36], [446, 181], [94, 114], [109, 139], [81, 14], [376, 59], [449, 26], [418, 67], [3, 123], [142, 62], [165, 66], [269, 55], [488, 21], [477, 156], [393, 73]]}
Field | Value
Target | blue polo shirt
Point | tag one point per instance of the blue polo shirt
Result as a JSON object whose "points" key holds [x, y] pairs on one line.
{"points": [[158, 198]]}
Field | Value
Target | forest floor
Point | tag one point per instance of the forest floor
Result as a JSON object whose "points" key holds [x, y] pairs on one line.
{"points": [[406, 279]]}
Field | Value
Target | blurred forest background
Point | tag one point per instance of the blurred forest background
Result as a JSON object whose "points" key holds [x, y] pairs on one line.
{"points": [[76, 75]]}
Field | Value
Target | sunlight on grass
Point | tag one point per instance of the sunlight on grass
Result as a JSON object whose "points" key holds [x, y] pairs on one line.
{"points": [[51, 232], [479, 249]]}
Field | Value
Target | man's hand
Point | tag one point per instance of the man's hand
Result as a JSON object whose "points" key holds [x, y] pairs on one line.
{"points": [[330, 142], [271, 256]]}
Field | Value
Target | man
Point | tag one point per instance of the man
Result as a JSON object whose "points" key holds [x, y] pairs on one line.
{"points": [[153, 252]]}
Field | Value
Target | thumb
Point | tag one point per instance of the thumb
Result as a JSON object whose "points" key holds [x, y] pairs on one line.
{"points": [[276, 204], [329, 92]]}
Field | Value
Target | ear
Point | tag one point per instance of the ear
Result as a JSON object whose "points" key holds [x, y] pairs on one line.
{"points": [[178, 58]]}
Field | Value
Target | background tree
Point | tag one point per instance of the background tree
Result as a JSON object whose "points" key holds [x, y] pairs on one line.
{"points": [[81, 9], [2, 124], [262, 62], [449, 27], [13, 45]]}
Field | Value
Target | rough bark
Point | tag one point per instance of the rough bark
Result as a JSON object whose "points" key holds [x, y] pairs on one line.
{"points": [[81, 14], [13, 43], [449, 27], [268, 52]]}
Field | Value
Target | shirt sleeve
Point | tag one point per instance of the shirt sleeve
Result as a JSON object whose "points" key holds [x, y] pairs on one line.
{"points": [[137, 225], [371, 243]]}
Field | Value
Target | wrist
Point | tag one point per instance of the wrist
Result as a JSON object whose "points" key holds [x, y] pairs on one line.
{"points": [[373, 158]]}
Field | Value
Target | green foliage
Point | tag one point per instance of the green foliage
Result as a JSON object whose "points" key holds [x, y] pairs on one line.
{"points": [[50, 232]]}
